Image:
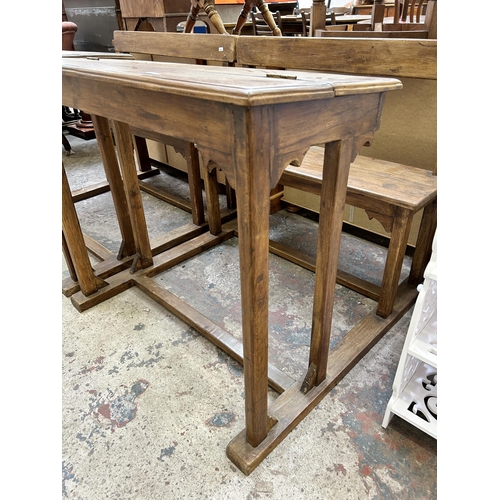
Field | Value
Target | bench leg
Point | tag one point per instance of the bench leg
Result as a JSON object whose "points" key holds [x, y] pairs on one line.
{"points": [[423, 247], [394, 263]]}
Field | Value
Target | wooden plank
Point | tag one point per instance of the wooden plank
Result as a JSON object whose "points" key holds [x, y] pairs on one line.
{"points": [[212, 47], [383, 57], [213, 332], [382, 181], [343, 278], [103, 187], [293, 406]]}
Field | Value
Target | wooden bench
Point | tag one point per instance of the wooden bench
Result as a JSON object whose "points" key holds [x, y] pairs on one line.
{"points": [[390, 192]]}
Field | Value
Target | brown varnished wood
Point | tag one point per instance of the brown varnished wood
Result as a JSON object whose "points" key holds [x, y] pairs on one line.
{"points": [[423, 246], [389, 192], [124, 146], [212, 194], [106, 146], [382, 181], [215, 47], [394, 261], [74, 244], [293, 405], [250, 130], [337, 160], [213, 332], [398, 58], [392, 193], [69, 262]]}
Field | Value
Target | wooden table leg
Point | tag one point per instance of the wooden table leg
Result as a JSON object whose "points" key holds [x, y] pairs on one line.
{"points": [[75, 244], [111, 168], [252, 196], [123, 138], [212, 194], [333, 192], [195, 191], [69, 261]]}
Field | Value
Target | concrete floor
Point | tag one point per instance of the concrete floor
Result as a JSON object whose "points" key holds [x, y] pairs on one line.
{"points": [[149, 405]]}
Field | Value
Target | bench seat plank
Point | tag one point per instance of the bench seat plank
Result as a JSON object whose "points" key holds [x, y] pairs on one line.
{"points": [[389, 182]]}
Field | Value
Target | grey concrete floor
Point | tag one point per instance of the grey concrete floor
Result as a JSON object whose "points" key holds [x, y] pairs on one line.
{"points": [[149, 405]]}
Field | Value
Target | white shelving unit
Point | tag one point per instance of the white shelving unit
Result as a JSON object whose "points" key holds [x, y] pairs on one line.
{"points": [[414, 396]]}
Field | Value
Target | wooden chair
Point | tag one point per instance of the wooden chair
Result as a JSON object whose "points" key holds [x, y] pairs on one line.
{"points": [[392, 27], [306, 20], [261, 28], [409, 10]]}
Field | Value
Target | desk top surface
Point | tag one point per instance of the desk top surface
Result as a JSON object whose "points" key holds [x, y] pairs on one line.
{"points": [[239, 86]]}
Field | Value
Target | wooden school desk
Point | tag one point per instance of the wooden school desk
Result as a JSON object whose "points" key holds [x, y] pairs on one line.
{"points": [[251, 123]]}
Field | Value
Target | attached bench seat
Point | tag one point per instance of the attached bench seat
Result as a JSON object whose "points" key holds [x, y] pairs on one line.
{"points": [[390, 192]]}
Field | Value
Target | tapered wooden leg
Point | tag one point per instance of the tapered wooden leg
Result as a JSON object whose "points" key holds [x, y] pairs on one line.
{"points": [[212, 194], [123, 137], [73, 239], [423, 246], [394, 263], [252, 196], [69, 261], [333, 192], [112, 170], [194, 181], [141, 149]]}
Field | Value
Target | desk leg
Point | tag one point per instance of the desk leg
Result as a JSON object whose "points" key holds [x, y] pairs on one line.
{"points": [[333, 192], [112, 170], [123, 138], [252, 197], [195, 191], [74, 244]]}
